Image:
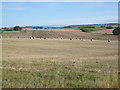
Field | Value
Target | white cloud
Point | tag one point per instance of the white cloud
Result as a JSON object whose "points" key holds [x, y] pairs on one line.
{"points": [[11, 6], [18, 8], [92, 20], [100, 19]]}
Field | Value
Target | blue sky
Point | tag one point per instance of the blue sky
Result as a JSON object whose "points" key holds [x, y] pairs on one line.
{"points": [[58, 13]]}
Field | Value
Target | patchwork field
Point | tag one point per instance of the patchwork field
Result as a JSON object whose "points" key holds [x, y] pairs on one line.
{"points": [[55, 63]]}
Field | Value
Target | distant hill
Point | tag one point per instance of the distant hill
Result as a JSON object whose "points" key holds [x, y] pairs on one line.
{"points": [[95, 31], [51, 33], [104, 26]]}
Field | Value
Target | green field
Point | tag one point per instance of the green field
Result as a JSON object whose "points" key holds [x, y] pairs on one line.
{"points": [[55, 63], [10, 32]]}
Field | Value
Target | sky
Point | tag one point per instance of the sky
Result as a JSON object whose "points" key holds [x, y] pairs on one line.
{"points": [[60, 0], [58, 13]]}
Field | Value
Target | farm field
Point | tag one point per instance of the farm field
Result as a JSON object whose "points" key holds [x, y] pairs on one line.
{"points": [[108, 31], [55, 63], [61, 33]]}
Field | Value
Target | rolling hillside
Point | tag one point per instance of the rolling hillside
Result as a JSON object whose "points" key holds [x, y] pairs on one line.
{"points": [[51, 33]]}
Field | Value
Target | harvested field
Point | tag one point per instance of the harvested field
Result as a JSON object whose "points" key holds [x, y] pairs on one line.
{"points": [[55, 63], [58, 34], [108, 31]]}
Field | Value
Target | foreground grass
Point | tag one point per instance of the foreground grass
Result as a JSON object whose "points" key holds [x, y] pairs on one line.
{"points": [[59, 64], [57, 74], [26, 79]]}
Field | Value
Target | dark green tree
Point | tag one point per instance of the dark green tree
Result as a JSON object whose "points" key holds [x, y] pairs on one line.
{"points": [[17, 28], [116, 31]]}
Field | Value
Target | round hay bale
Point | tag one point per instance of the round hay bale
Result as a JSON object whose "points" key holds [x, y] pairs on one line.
{"points": [[109, 41], [91, 39], [81, 39], [45, 38]]}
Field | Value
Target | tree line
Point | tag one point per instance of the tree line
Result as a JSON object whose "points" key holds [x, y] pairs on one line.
{"points": [[116, 31], [16, 28]]}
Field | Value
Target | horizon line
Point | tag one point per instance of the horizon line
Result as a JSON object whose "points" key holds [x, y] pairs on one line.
{"points": [[59, 25]]}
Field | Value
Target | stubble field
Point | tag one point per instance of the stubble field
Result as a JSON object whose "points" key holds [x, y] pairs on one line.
{"points": [[55, 63]]}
